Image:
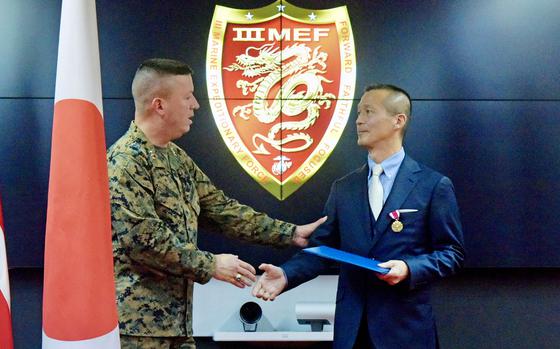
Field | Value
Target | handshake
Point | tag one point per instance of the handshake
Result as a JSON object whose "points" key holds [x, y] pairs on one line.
{"points": [[230, 268], [270, 284]]}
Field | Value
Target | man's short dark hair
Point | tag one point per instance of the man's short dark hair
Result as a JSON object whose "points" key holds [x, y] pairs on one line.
{"points": [[150, 79], [165, 66], [394, 89]]}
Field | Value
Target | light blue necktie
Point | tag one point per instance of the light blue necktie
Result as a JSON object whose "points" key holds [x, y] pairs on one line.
{"points": [[375, 191]]}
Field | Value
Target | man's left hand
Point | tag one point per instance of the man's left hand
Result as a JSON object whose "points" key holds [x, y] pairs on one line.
{"points": [[397, 273], [303, 232]]}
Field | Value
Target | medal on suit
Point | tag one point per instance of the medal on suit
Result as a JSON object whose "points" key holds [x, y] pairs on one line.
{"points": [[397, 225]]}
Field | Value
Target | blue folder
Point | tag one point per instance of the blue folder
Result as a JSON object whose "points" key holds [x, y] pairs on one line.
{"points": [[345, 257]]}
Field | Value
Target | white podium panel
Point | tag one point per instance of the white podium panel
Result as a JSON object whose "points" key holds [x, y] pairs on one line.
{"points": [[216, 312]]}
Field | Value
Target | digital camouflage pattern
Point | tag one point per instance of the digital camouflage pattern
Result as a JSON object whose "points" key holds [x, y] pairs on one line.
{"points": [[135, 342], [157, 195]]}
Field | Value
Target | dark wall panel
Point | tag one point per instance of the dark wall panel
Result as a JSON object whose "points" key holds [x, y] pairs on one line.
{"points": [[495, 309], [29, 36], [501, 156], [503, 159], [482, 74], [440, 50], [26, 126], [460, 49], [445, 49]]}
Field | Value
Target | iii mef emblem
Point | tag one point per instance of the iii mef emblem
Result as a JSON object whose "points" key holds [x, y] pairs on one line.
{"points": [[281, 81]]}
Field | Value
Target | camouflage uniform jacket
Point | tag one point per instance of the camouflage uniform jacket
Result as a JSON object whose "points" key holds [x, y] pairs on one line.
{"points": [[157, 195]]}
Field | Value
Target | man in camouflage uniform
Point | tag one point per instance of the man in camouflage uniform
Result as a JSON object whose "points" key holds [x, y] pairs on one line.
{"points": [[157, 195]]}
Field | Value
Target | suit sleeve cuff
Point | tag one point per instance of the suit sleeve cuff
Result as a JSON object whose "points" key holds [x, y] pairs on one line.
{"points": [[414, 279]]}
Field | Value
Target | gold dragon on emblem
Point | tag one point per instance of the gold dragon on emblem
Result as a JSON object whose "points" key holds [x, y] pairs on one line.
{"points": [[300, 73]]}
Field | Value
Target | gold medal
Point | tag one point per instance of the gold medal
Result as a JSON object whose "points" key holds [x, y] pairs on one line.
{"points": [[397, 226]]}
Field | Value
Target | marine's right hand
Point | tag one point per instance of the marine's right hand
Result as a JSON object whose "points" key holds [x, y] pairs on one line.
{"points": [[230, 268]]}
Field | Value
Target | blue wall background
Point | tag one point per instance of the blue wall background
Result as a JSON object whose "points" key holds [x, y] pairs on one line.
{"points": [[484, 78]]}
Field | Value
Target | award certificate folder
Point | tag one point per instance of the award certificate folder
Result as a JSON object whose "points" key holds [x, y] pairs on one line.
{"points": [[345, 257]]}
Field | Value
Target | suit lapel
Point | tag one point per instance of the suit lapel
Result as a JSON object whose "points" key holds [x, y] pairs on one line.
{"points": [[360, 190], [406, 179]]}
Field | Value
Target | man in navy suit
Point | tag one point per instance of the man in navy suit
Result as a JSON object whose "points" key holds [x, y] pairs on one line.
{"points": [[406, 216]]}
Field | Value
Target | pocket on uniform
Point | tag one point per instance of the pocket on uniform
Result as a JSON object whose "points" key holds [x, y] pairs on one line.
{"points": [[168, 205]]}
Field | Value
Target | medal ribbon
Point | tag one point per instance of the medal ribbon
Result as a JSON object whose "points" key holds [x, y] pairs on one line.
{"points": [[395, 215]]}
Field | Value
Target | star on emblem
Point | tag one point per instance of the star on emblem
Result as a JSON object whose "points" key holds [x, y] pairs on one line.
{"points": [[312, 16], [281, 8], [249, 16]]}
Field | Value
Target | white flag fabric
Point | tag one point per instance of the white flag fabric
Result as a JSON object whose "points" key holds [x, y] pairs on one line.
{"points": [[79, 307], [6, 337]]}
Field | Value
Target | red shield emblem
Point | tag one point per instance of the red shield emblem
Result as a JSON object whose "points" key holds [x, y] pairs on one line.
{"points": [[281, 81]]}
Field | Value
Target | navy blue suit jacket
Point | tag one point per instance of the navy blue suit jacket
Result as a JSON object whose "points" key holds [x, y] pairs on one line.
{"points": [[431, 244]]}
